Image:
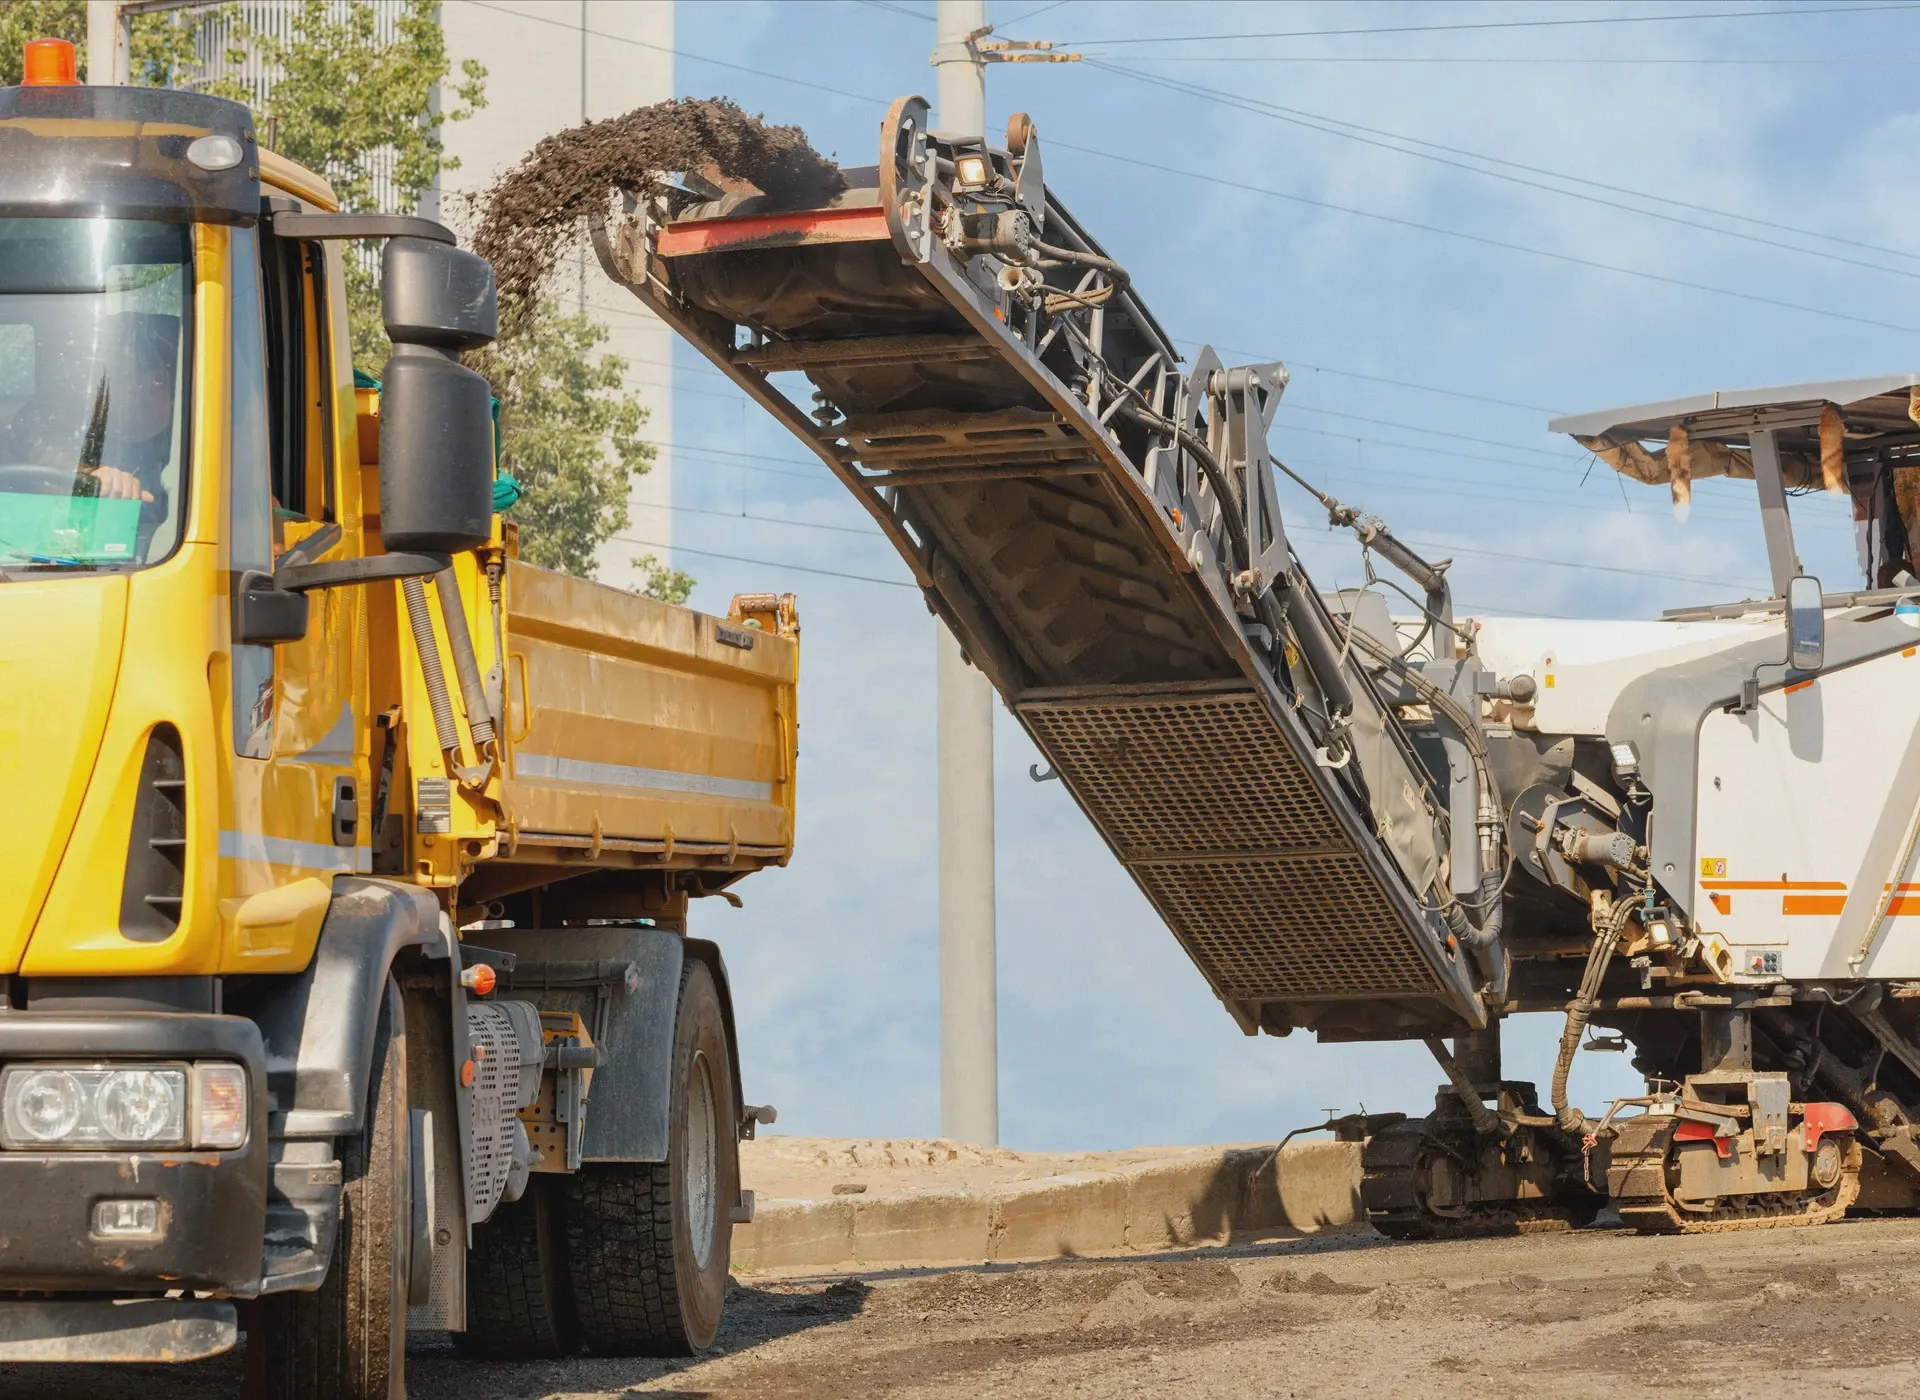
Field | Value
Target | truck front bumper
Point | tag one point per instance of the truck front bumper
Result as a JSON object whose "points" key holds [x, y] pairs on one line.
{"points": [[212, 1205]]}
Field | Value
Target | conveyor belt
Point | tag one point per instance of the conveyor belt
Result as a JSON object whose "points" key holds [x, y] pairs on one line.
{"points": [[1111, 557]]}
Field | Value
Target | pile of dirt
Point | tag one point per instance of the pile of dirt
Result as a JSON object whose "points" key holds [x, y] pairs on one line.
{"points": [[532, 216]]}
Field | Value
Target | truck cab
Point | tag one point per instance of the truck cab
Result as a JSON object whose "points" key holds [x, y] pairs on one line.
{"points": [[344, 963]]}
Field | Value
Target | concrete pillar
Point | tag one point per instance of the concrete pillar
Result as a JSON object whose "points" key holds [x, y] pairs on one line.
{"points": [[109, 44], [969, 1017]]}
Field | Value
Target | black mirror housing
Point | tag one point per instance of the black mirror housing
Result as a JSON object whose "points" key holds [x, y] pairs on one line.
{"points": [[437, 295], [264, 614], [436, 415]]}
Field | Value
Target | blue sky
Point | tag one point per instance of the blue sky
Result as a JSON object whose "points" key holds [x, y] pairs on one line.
{"points": [[1433, 318]]}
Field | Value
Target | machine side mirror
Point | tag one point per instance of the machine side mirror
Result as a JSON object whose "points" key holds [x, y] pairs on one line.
{"points": [[1806, 624], [436, 415]]}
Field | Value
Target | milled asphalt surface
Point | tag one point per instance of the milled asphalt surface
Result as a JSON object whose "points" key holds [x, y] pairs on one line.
{"points": [[1600, 1312]]}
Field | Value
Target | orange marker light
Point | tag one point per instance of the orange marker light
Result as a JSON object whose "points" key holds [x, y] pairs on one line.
{"points": [[49, 63], [479, 979]]}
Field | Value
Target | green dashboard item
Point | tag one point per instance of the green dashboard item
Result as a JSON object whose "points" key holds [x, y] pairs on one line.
{"points": [[87, 529]]}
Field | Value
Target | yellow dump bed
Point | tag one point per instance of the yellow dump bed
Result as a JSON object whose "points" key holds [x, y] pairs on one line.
{"points": [[636, 726]]}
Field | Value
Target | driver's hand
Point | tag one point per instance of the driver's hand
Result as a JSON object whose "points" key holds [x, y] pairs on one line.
{"points": [[117, 485]]}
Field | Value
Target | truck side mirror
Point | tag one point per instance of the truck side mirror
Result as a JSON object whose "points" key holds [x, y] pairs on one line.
{"points": [[1806, 624], [436, 415], [264, 614]]}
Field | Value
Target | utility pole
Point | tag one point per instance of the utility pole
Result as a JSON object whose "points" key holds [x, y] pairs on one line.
{"points": [[110, 36], [969, 996], [109, 43], [969, 1010]]}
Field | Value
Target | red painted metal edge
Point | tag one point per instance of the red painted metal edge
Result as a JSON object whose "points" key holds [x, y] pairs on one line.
{"points": [[1823, 1118], [774, 230], [1687, 1130]]}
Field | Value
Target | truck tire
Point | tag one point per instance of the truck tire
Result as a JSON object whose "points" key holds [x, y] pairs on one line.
{"points": [[518, 1307], [648, 1242], [347, 1339]]}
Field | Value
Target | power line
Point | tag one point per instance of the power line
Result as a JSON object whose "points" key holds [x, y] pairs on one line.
{"points": [[1137, 163], [765, 520], [1531, 60], [1030, 14], [1291, 363], [764, 563], [1499, 24], [1496, 554], [677, 53], [1556, 454], [896, 9], [1332, 126]]}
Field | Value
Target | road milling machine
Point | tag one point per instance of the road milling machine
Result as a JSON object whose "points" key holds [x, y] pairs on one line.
{"points": [[1695, 835], [345, 980]]}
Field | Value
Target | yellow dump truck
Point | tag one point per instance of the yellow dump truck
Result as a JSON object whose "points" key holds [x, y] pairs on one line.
{"points": [[345, 980]]}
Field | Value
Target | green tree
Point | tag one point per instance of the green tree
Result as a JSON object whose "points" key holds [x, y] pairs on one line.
{"points": [[570, 435], [356, 109], [163, 43], [360, 111]]}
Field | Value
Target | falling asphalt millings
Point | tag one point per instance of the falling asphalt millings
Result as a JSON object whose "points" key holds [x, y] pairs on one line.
{"points": [[532, 216]]}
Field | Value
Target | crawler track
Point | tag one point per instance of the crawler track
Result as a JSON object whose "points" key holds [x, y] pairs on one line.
{"points": [[1393, 1190], [1639, 1185]]}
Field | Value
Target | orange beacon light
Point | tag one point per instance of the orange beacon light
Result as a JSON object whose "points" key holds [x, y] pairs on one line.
{"points": [[49, 63]]}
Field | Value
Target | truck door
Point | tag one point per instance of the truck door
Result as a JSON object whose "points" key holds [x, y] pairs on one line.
{"points": [[299, 769]]}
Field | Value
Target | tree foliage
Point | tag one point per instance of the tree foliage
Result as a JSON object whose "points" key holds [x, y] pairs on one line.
{"points": [[363, 112], [163, 43], [570, 435]]}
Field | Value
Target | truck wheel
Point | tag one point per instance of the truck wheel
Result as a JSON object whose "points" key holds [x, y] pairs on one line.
{"points": [[347, 1339], [647, 1242], [517, 1302]]}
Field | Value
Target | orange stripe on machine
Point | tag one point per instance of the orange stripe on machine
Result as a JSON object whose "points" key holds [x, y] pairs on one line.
{"points": [[774, 230]]}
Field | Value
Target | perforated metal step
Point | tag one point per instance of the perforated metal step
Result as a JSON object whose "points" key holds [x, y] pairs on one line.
{"points": [[1201, 797]]}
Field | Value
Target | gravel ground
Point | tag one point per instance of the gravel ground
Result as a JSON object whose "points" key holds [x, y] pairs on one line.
{"points": [[1771, 1312]]}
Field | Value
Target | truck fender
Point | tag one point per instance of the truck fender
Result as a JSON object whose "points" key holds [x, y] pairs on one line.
{"points": [[709, 953], [319, 1025]]}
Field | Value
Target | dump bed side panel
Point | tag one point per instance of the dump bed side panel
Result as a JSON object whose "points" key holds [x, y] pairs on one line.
{"points": [[643, 726]]}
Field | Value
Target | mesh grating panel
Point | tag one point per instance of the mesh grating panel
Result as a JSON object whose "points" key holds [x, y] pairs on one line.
{"points": [[1202, 770], [1177, 780], [1294, 928]]}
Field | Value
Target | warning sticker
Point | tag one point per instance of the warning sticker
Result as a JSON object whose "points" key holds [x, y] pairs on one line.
{"points": [[1713, 868]]}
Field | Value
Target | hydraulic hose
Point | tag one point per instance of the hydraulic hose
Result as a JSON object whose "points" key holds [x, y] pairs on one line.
{"points": [[1483, 942], [465, 666], [1485, 1120], [421, 623], [1117, 278], [1605, 939]]}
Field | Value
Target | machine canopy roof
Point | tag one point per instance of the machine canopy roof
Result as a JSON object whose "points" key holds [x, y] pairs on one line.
{"points": [[1830, 435]]}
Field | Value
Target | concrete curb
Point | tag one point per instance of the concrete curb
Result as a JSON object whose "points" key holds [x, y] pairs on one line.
{"points": [[1211, 1196]]}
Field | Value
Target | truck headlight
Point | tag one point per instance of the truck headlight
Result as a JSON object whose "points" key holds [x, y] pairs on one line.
{"points": [[93, 1106]]}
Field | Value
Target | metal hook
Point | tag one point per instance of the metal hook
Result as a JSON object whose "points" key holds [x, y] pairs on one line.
{"points": [[1052, 775]]}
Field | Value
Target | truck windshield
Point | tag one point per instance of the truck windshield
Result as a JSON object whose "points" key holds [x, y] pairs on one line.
{"points": [[93, 374]]}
